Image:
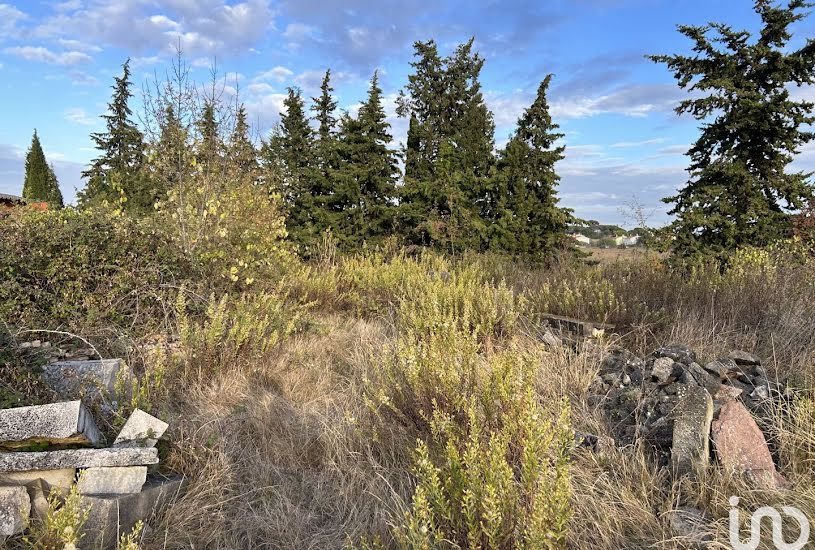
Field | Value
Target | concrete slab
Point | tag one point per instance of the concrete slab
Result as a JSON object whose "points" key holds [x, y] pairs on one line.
{"points": [[66, 423], [71, 379], [122, 480], [77, 458], [62, 478], [690, 448], [140, 430], [111, 516], [15, 507]]}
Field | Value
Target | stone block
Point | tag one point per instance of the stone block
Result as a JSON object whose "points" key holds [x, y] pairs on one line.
{"points": [[71, 379], [67, 423], [690, 447], [62, 478], [15, 507], [140, 430], [122, 480], [112, 516], [741, 447], [77, 458]]}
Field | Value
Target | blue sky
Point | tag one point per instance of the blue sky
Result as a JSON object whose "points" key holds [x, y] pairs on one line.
{"points": [[57, 60]]}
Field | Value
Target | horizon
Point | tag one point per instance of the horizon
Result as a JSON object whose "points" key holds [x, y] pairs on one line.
{"points": [[615, 107]]}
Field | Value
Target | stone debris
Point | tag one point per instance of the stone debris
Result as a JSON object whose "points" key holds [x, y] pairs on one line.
{"points": [[111, 516], [71, 378], [67, 423], [15, 507], [692, 418], [140, 430], [76, 458], [123, 480], [741, 447]]}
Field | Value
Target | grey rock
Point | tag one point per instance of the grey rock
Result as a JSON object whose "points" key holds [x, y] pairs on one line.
{"points": [[140, 430], [760, 393], [122, 480], [38, 496], [15, 507], [742, 358], [71, 379], [111, 516], [67, 423], [77, 458], [703, 378], [62, 478], [688, 523], [692, 416], [662, 371], [677, 352], [724, 368]]}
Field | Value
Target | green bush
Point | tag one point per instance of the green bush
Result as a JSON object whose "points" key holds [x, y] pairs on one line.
{"points": [[84, 270]]}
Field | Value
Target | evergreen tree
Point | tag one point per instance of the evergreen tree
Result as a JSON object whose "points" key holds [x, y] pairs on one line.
{"points": [[448, 157], [243, 157], [209, 149], [40, 184], [171, 157], [739, 192], [292, 149], [523, 203], [326, 154], [366, 179], [118, 175]]}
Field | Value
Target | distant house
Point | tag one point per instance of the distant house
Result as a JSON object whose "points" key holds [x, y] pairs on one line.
{"points": [[581, 239], [633, 240], [11, 202]]}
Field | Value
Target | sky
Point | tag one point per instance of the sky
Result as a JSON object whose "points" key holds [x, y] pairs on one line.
{"points": [[624, 143]]}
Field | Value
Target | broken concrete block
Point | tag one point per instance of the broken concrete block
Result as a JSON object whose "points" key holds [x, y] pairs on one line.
{"points": [[15, 507], [741, 447], [62, 478], [67, 423], [122, 480], [690, 448], [140, 430], [112, 516], [77, 458], [70, 378]]}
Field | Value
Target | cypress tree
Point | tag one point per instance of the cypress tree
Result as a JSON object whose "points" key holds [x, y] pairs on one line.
{"points": [[448, 156], [117, 175], [740, 192], [37, 184], [523, 202], [54, 199]]}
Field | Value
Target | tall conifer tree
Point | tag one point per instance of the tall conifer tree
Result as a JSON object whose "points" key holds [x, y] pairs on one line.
{"points": [[740, 192], [117, 175], [40, 184], [526, 220]]}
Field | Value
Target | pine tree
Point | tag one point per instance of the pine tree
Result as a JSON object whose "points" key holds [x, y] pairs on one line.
{"points": [[365, 182], [292, 149], [118, 175], [739, 192], [209, 149], [522, 201], [326, 155], [243, 157]]}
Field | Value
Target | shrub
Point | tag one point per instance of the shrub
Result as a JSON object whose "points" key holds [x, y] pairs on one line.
{"points": [[61, 528], [86, 269]]}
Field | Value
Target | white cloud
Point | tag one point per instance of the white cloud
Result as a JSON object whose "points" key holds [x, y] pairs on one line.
{"points": [[637, 144], [260, 88], [9, 18], [278, 74], [632, 101], [78, 115], [299, 31], [200, 26], [78, 45], [38, 53]]}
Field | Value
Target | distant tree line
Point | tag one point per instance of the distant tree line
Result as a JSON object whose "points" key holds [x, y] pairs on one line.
{"points": [[339, 172]]}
